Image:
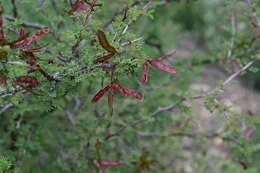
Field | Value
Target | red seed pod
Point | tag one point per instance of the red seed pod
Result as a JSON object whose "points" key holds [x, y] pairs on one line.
{"points": [[164, 56], [155, 62], [120, 89], [124, 91], [109, 162], [100, 94], [144, 77], [77, 6], [133, 93], [34, 37], [29, 81], [163, 67]]}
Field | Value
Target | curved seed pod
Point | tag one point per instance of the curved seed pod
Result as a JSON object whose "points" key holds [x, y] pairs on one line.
{"points": [[164, 56], [31, 81], [144, 77], [104, 58], [104, 43], [163, 67], [100, 94], [34, 37], [132, 92], [120, 89]]}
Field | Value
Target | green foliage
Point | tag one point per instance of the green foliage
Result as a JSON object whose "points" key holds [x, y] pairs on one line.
{"points": [[63, 131]]}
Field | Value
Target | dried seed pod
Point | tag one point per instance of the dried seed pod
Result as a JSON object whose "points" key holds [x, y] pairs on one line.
{"points": [[26, 81], [155, 62], [132, 92], [100, 94], [104, 43], [120, 89], [109, 162], [103, 58], [144, 77], [164, 56], [34, 37], [163, 67]]}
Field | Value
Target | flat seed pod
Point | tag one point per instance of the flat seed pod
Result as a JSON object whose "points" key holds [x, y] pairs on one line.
{"points": [[104, 43], [144, 77], [163, 67], [34, 37], [109, 162], [31, 81], [164, 56], [133, 93], [100, 94], [120, 89]]}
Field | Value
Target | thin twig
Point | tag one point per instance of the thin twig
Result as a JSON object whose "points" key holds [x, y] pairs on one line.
{"points": [[189, 135], [15, 13], [25, 23], [5, 107], [181, 100]]}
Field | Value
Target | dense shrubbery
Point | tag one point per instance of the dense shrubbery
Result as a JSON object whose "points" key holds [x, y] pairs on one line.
{"points": [[67, 67]]}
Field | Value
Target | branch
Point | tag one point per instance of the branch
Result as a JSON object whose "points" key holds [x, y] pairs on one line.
{"points": [[189, 135], [181, 100], [5, 107], [25, 23], [15, 13]]}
